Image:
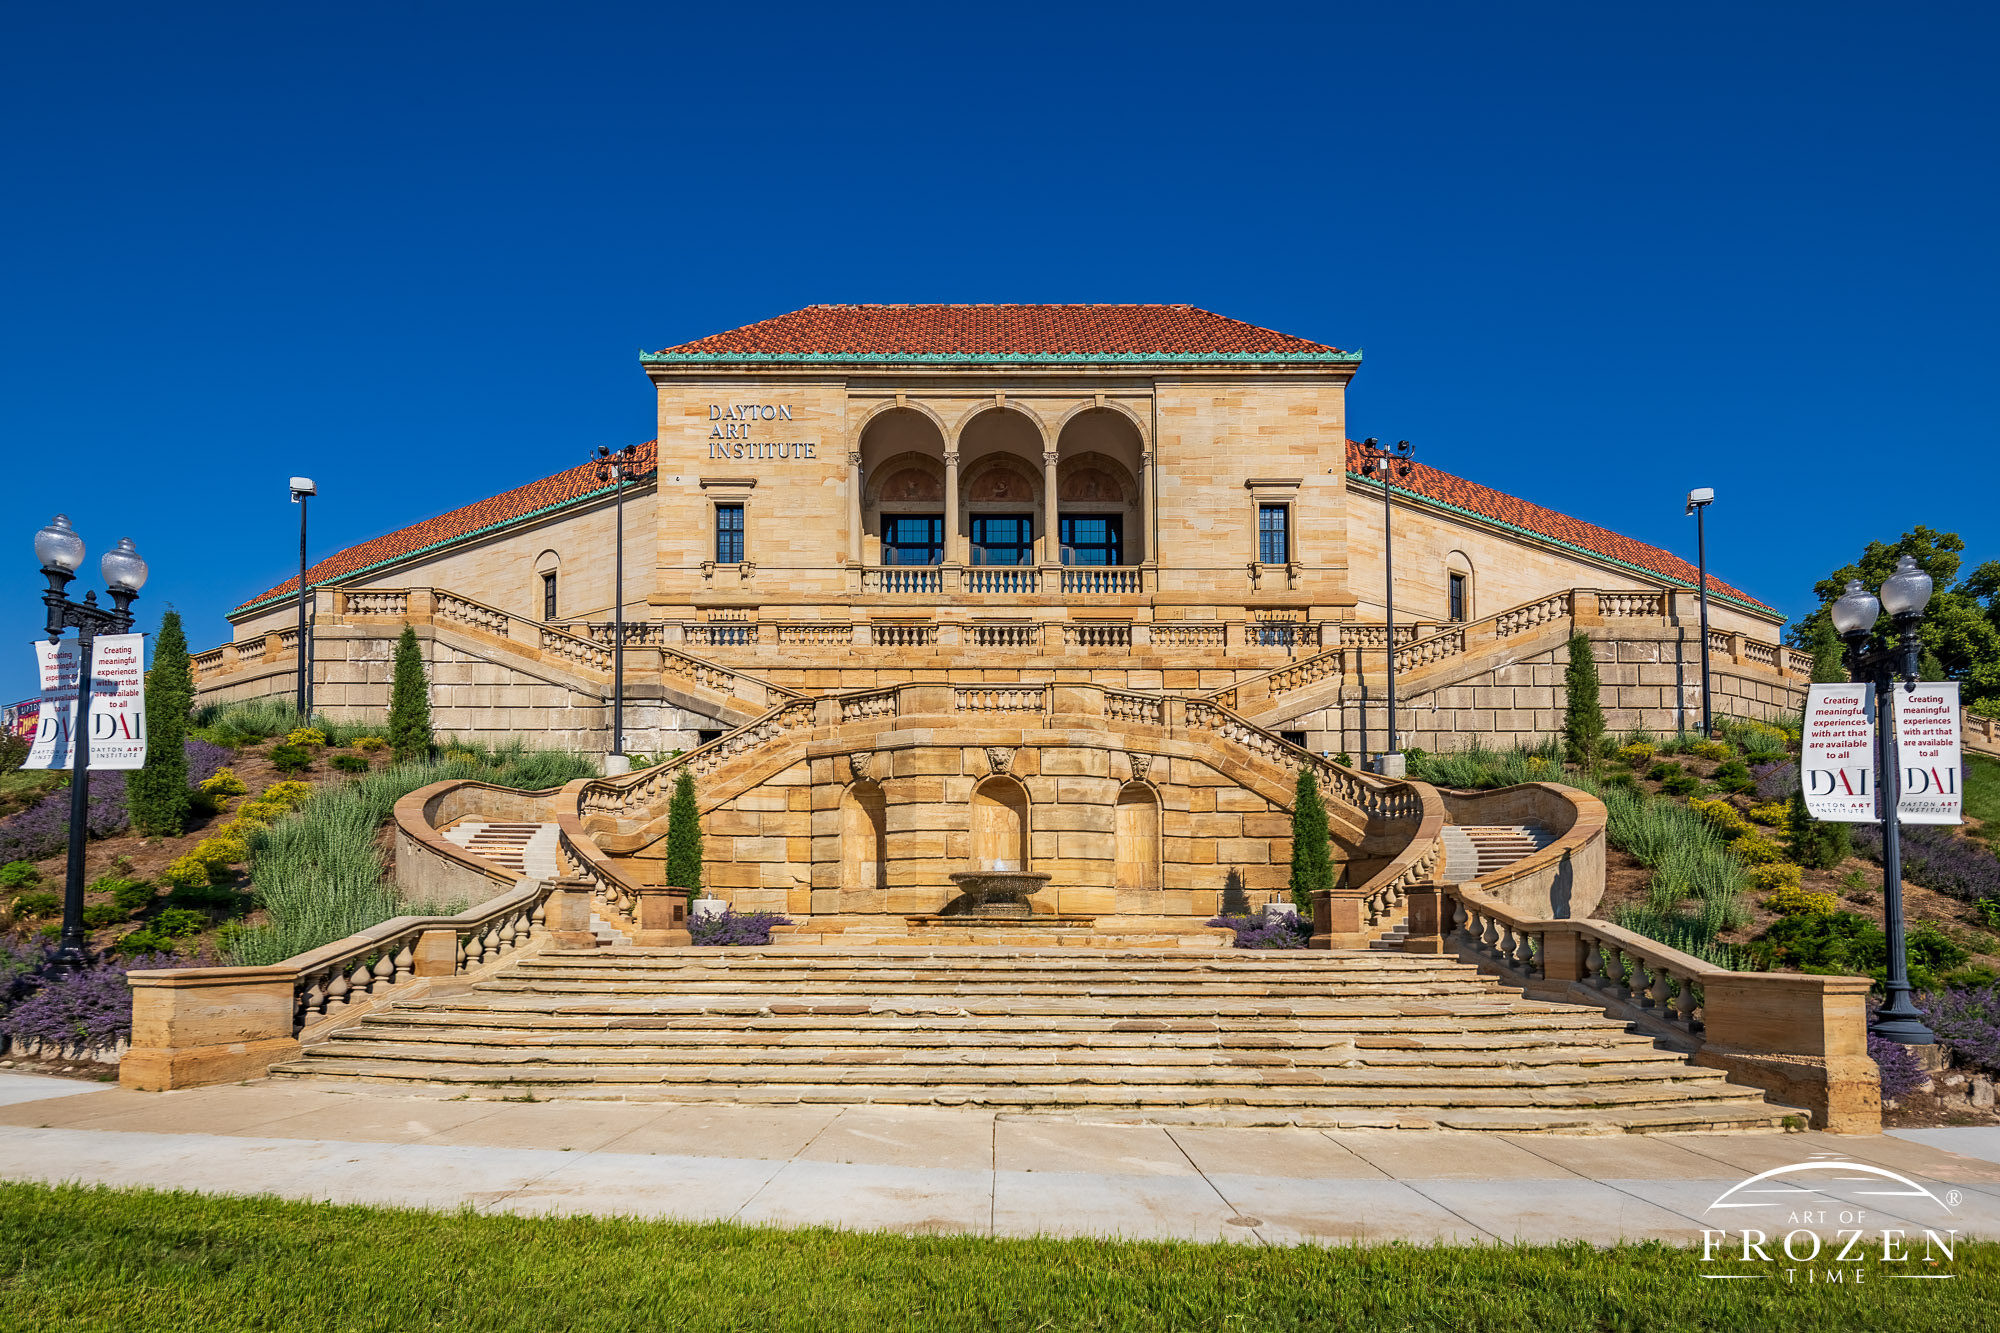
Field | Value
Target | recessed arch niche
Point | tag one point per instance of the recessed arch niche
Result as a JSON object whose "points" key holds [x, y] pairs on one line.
{"points": [[1137, 823], [864, 850], [1000, 824]]}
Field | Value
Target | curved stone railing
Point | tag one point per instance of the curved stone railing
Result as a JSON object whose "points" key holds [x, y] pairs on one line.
{"points": [[1562, 879], [1802, 1039]]}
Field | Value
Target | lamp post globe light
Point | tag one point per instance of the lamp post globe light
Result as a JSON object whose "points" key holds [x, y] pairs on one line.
{"points": [[1698, 501], [1389, 463], [1873, 660], [617, 468], [60, 553], [303, 490]]}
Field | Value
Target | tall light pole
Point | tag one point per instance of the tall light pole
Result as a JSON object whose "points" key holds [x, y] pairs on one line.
{"points": [[1388, 463], [303, 490], [1905, 593], [60, 551], [618, 468], [1699, 500]]}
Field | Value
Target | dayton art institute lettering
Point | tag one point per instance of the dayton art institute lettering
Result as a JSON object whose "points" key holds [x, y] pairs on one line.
{"points": [[731, 424]]}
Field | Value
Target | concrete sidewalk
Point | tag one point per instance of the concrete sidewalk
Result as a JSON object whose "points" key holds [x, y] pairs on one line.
{"points": [[932, 1171]]}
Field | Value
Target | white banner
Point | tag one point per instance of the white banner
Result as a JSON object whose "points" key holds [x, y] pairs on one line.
{"points": [[1837, 753], [117, 703], [1927, 752]]}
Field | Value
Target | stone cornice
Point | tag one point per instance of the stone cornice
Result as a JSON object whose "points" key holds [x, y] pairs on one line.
{"points": [[988, 359]]}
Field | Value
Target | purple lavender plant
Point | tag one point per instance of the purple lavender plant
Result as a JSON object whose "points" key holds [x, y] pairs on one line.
{"points": [[91, 1008], [1936, 858], [1968, 1020], [42, 830], [1776, 780], [204, 758], [733, 928], [1901, 1074], [1260, 932]]}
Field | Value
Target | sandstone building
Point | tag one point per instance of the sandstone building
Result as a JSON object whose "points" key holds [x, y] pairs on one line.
{"points": [[1076, 587]]}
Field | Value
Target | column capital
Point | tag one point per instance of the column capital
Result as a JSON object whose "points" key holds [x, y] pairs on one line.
{"points": [[951, 458], [1146, 459], [1050, 457], [854, 458]]}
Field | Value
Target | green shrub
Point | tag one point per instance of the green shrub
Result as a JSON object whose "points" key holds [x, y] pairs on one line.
{"points": [[1819, 844], [131, 895], [1734, 778], [1681, 784], [142, 941], [410, 701], [157, 795], [40, 902], [1843, 942], [1660, 772], [224, 782], [96, 916], [349, 763], [370, 744], [178, 923], [19, 875], [1312, 843], [291, 758], [1583, 715], [684, 836]]}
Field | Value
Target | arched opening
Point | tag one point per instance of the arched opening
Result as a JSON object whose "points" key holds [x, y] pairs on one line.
{"points": [[864, 851], [1000, 470], [902, 456], [546, 595], [1138, 828], [1458, 589], [1000, 825], [1097, 496]]}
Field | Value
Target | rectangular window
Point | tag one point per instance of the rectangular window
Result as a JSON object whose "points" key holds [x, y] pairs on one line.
{"points": [[1003, 539], [913, 539], [1457, 598], [1274, 539], [729, 534], [549, 595], [1093, 539]]}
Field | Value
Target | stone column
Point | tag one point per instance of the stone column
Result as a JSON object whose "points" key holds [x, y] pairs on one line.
{"points": [[855, 547], [1052, 552], [954, 550], [1152, 557]]}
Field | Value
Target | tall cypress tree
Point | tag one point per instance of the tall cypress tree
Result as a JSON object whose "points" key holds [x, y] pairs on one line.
{"points": [[1312, 844], [1816, 844], [157, 795], [1583, 714], [684, 837], [410, 701]]}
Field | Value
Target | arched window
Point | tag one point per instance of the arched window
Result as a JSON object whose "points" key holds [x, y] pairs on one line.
{"points": [[1138, 827], [548, 569], [1458, 587]]}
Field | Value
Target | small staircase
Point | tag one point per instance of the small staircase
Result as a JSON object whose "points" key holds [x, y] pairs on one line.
{"points": [[521, 849], [1473, 850], [1323, 1039]]}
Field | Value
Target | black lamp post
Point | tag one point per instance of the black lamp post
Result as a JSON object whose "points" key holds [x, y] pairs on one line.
{"points": [[60, 551], [618, 468], [1699, 500], [1388, 463], [1872, 659], [303, 490]]}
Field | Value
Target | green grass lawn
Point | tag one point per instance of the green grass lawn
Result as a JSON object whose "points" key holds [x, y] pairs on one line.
{"points": [[137, 1261]]}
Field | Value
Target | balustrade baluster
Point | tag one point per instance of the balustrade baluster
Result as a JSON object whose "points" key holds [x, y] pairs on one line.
{"points": [[1593, 964], [336, 992], [405, 963], [385, 972]]}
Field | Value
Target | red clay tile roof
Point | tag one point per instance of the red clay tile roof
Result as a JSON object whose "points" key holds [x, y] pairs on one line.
{"points": [[1484, 501], [502, 510], [999, 330]]}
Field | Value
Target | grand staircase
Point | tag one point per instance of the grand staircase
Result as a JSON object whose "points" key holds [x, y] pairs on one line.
{"points": [[1320, 1039]]}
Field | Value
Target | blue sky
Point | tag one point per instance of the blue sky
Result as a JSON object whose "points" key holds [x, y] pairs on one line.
{"points": [[1595, 254]]}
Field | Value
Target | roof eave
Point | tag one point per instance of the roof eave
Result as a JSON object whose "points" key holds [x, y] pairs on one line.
{"points": [[1123, 360]]}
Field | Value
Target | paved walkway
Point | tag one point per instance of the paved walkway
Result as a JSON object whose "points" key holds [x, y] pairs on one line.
{"points": [[879, 1168]]}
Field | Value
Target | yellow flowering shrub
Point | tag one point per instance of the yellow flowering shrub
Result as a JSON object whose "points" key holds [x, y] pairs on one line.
{"points": [[369, 744], [1725, 818], [1774, 813], [1775, 876], [1756, 851], [287, 795], [1791, 900], [223, 783], [184, 873], [1710, 750], [312, 738], [1638, 754]]}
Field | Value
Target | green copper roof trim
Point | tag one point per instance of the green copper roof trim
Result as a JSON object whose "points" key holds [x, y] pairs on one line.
{"points": [[1747, 604], [986, 359], [442, 542]]}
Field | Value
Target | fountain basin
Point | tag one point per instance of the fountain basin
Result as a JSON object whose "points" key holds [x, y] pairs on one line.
{"points": [[999, 893]]}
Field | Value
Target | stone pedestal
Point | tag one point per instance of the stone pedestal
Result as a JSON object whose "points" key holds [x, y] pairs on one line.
{"points": [[662, 918], [207, 1025]]}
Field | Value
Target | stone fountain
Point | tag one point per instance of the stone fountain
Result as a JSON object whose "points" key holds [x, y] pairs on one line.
{"points": [[1000, 893]]}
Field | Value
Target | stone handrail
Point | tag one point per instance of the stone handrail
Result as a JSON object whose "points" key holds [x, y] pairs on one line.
{"points": [[1803, 1039], [1982, 734]]}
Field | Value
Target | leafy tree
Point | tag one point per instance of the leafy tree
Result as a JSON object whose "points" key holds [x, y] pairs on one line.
{"points": [[1312, 844], [1817, 844], [684, 837], [1960, 627], [1583, 715], [410, 701], [157, 795]]}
